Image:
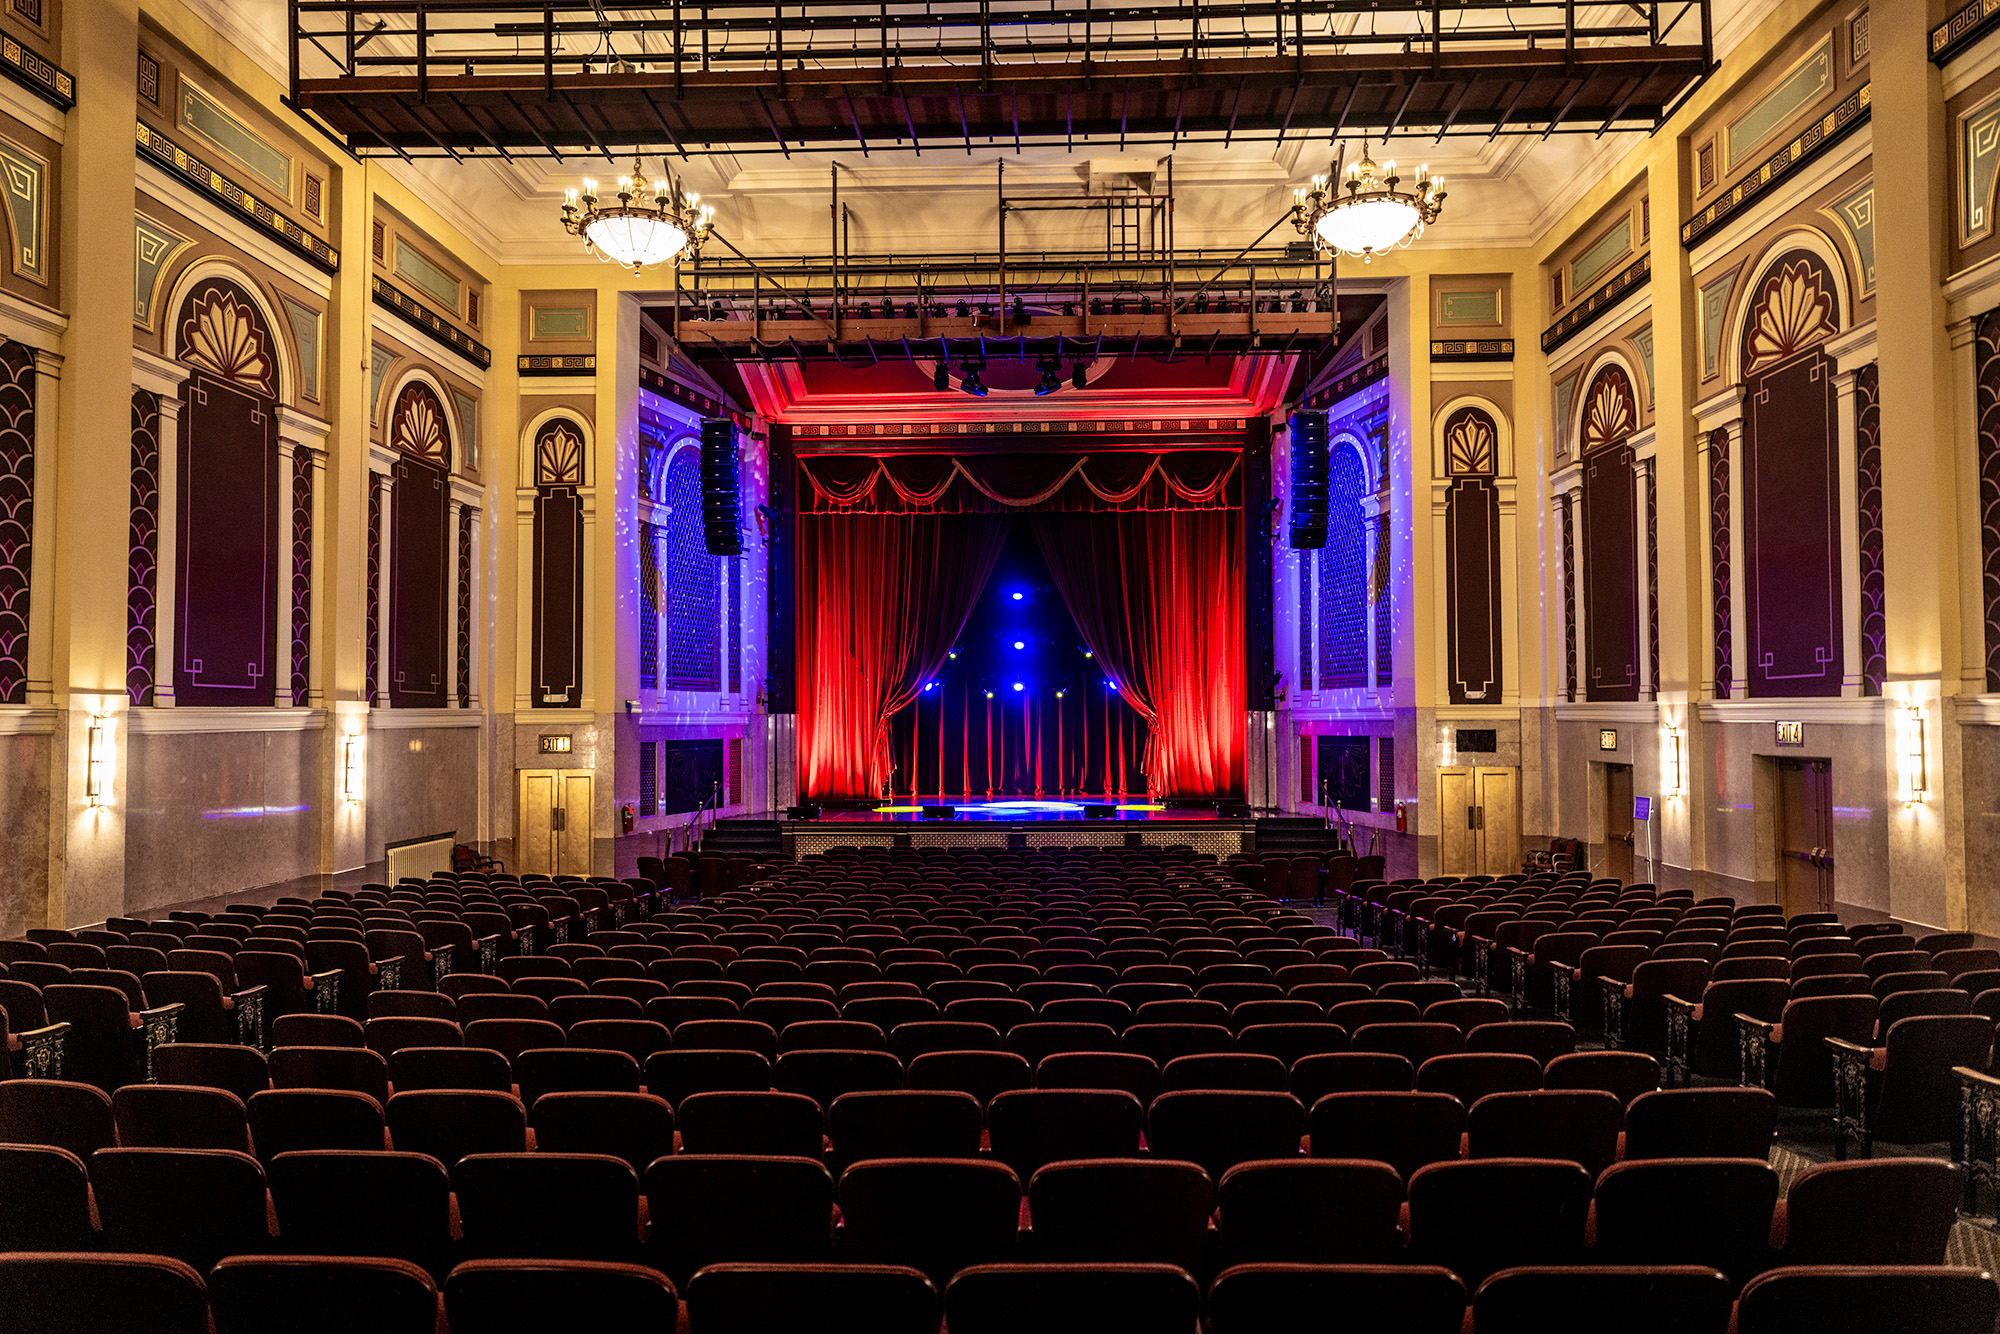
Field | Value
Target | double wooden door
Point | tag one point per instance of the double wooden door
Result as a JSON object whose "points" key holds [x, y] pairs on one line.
{"points": [[554, 833], [1480, 821]]}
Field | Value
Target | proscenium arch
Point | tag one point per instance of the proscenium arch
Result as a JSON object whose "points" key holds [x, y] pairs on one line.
{"points": [[212, 266], [524, 451], [1809, 239], [453, 428], [1503, 431]]}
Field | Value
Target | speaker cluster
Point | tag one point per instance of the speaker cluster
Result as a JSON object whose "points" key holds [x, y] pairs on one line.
{"points": [[721, 523], [1309, 480]]}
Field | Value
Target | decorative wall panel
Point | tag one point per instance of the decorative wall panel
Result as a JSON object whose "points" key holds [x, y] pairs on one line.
{"points": [[1385, 773], [302, 575], [373, 648], [1721, 602], [1343, 573], [227, 540], [1472, 557], [694, 622], [417, 426], [143, 560], [1791, 493], [17, 515], [649, 605], [1868, 490], [1344, 778], [691, 773], [1571, 598], [1652, 579], [557, 632], [1987, 353], [464, 674], [733, 611], [418, 573]]}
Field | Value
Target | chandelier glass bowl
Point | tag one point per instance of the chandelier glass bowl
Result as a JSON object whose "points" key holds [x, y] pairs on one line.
{"points": [[1368, 213], [652, 222]]}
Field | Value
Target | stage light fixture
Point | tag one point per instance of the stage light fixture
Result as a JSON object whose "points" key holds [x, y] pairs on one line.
{"points": [[865, 311], [985, 311], [1117, 305], [989, 694], [1145, 305], [1051, 380], [1019, 686], [1076, 376], [1020, 311], [953, 655], [716, 312], [1059, 694], [1019, 644], [888, 309], [964, 311], [1298, 303], [941, 377], [1017, 597], [1222, 305], [1069, 310], [930, 685], [971, 382], [1097, 305], [1109, 684], [1201, 304]]}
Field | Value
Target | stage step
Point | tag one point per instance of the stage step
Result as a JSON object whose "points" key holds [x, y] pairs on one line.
{"points": [[1295, 833], [744, 838]]}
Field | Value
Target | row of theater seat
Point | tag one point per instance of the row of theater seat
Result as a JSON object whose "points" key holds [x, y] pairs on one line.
{"points": [[138, 1294], [943, 1214]]}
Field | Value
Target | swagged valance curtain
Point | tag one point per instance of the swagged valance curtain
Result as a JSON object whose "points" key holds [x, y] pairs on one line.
{"points": [[1132, 480], [1146, 550]]}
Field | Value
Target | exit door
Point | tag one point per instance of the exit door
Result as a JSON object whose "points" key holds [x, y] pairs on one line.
{"points": [[1805, 835], [1618, 835], [1480, 831], [555, 833]]}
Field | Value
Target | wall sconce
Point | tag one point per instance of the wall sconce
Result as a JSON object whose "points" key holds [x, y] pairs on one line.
{"points": [[97, 762], [1913, 752], [350, 768], [1673, 762]]}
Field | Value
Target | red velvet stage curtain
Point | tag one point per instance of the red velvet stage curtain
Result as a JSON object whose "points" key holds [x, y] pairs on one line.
{"points": [[881, 601], [1158, 596], [1132, 479]]}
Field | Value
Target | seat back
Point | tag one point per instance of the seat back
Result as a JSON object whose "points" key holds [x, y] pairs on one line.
{"points": [[1881, 1211], [937, 1215], [1701, 1123], [348, 1202], [1862, 1300], [1070, 1298], [1124, 1210], [492, 1296], [104, 1294], [1475, 1218], [1409, 1299], [196, 1205]]}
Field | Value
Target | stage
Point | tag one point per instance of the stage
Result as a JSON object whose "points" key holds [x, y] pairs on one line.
{"points": [[1021, 822]]}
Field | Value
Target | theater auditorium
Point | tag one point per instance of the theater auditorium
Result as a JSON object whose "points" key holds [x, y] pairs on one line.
{"points": [[999, 667]]}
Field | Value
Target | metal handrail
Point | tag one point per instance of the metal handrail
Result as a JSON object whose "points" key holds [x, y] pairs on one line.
{"points": [[711, 802]]}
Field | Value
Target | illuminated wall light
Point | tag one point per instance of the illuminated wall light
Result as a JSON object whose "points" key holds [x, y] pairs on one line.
{"points": [[1913, 754], [350, 768], [1673, 762], [97, 762]]}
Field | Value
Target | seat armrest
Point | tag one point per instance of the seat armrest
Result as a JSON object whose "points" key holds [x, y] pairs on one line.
{"points": [[389, 974], [489, 953], [326, 991], [443, 960], [159, 1026], [1615, 994], [250, 1015], [1755, 1038], [1850, 1091], [42, 1051], [1682, 1016]]}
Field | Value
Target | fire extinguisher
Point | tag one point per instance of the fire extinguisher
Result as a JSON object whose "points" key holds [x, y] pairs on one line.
{"points": [[1402, 820], [626, 815]]}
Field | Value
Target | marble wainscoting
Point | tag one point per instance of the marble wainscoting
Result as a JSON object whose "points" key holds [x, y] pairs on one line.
{"points": [[25, 796], [422, 779], [212, 812]]}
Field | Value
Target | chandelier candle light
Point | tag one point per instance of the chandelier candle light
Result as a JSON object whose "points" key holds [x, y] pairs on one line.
{"points": [[1374, 216], [633, 233]]}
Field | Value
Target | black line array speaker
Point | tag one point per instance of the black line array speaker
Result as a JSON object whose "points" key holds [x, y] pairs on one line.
{"points": [[721, 523], [1309, 480]]}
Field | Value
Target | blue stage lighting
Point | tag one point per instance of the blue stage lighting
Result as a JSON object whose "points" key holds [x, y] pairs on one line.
{"points": [[1017, 597], [1019, 644], [1019, 686]]}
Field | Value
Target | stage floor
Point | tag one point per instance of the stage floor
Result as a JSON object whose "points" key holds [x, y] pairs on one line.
{"points": [[1019, 810]]}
